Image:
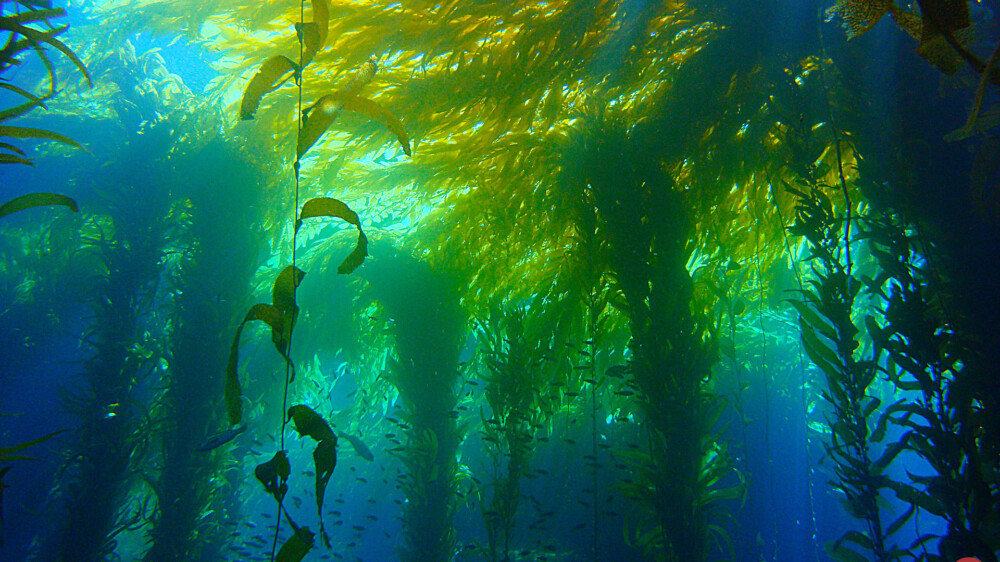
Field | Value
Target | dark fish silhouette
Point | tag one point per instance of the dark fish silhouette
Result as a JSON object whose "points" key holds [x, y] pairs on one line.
{"points": [[221, 438]]}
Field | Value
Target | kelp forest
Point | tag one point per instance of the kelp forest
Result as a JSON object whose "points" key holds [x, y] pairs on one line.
{"points": [[608, 280]]}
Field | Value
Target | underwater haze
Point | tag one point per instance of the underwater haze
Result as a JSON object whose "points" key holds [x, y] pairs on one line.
{"points": [[473, 280]]}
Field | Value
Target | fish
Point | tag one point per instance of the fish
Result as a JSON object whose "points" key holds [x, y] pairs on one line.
{"points": [[221, 438], [359, 447]]}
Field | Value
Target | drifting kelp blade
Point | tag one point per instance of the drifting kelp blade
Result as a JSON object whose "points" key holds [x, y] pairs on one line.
{"points": [[31, 133], [330, 207], [379, 113], [7, 453], [234, 394], [297, 546], [309, 423], [272, 74], [36, 200], [20, 110]]}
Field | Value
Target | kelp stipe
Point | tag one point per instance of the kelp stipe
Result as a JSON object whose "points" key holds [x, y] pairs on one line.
{"points": [[946, 425], [830, 338], [514, 357], [647, 225], [280, 315], [428, 325]]}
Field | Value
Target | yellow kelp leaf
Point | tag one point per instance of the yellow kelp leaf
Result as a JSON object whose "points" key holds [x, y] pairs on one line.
{"points": [[322, 114], [30, 133], [313, 34], [379, 113], [297, 546], [234, 394], [318, 117], [310, 424], [859, 15], [272, 74], [35, 200], [330, 207]]}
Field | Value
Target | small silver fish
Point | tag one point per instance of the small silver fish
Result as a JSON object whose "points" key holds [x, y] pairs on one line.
{"points": [[221, 438], [359, 447]]}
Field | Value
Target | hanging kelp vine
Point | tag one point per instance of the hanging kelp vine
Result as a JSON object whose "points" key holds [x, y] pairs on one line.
{"points": [[281, 314]]}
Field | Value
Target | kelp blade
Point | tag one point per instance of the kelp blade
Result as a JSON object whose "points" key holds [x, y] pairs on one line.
{"points": [[283, 291], [375, 111], [324, 461], [271, 74], [297, 546], [7, 452], [323, 113], [32, 133], [234, 393], [309, 423], [36, 200], [330, 207]]}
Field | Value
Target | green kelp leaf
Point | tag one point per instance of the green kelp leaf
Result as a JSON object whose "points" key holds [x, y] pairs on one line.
{"points": [[330, 207], [309, 423], [273, 474], [297, 546], [324, 461], [31, 133], [272, 74], [20, 110], [11, 159], [7, 453], [900, 521], [22, 92], [12, 148], [36, 200], [283, 291], [37, 36], [234, 402]]}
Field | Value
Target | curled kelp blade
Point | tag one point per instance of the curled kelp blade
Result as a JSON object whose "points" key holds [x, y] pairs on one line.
{"points": [[330, 207], [271, 74], [325, 111], [234, 394], [36, 200], [310, 424]]}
